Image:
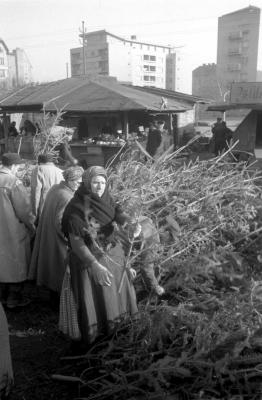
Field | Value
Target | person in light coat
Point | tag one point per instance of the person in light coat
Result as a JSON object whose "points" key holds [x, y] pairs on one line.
{"points": [[16, 229], [44, 176], [50, 248]]}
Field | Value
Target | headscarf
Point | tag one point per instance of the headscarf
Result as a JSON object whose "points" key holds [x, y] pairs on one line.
{"points": [[73, 173], [86, 207], [90, 173]]}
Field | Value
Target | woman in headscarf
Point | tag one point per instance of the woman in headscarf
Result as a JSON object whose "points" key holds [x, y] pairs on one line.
{"points": [[6, 371], [50, 247], [102, 291]]}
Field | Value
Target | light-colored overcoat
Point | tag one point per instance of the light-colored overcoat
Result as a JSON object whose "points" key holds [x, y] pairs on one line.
{"points": [[50, 247], [43, 177], [14, 233]]}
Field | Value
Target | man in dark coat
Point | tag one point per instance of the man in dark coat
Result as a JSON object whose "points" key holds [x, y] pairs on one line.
{"points": [[154, 139], [221, 136]]}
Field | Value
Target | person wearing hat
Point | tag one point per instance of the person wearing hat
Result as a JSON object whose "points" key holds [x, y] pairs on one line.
{"points": [[50, 248], [16, 229], [44, 176]]}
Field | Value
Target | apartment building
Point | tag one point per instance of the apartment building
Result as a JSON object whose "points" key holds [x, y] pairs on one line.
{"points": [[204, 82], [20, 68], [15, 67], [3, 65], [237, 47], [128, 60]]}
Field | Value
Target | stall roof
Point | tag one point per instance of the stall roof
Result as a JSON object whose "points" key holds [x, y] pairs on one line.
{"points": [[100, 94], [233, 106]]}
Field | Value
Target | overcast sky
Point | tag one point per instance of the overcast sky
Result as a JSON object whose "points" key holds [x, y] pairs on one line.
{"points": [[47, 29]]}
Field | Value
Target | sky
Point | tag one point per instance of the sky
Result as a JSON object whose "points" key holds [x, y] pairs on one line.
{"points": [[47, 29]]}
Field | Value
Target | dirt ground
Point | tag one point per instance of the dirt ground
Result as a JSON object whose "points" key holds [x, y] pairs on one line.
{"points": [[36, 349]]}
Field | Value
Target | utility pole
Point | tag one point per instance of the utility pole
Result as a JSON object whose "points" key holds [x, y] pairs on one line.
{"points": [[83, 32]]}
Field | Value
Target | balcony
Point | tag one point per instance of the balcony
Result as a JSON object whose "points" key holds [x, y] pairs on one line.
{"points": [[234, 67], [235, 52], [235, 35]]}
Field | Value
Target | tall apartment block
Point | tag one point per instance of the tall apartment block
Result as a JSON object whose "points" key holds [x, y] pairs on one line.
{"points": [[130, 61], [237, 47]]}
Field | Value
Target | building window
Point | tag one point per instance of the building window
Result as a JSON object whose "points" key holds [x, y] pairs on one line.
{"points": [[152, 68], [146, 57], [152, 78], [2, 73], [146, 77], [2, 61], [152, 58], [146, 68], [1, 50]]}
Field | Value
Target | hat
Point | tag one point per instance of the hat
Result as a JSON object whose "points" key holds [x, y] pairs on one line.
{"points": [[9, 159], [73, 173]]}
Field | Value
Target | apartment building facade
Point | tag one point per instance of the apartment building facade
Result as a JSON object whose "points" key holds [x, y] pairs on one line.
{"points": [[130, 61], [237, 47], [4, 75], [15, 67]]}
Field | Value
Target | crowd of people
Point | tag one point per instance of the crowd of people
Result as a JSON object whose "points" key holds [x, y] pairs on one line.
{"points": [[70, 236]]}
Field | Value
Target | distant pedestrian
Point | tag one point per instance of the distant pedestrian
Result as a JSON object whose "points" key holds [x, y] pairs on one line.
{"points": [[16, 229], [221, 136], [12, 129], [154, 137]]}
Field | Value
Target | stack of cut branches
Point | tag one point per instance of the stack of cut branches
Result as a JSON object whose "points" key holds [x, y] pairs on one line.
{"points": [[202, 339]]}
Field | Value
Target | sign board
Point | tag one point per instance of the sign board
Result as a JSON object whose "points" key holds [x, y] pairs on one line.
{"points": [[246, 93]]}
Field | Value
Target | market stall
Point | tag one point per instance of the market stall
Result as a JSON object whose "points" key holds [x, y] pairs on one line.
{"points": [[103, 111]]}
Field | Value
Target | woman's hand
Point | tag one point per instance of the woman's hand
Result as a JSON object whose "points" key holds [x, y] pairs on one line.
{"points": [[132, 273], [101, 274], [135, 230]]}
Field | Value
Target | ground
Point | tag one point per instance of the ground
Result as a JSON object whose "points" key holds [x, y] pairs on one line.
{"points": [[36, 348]]}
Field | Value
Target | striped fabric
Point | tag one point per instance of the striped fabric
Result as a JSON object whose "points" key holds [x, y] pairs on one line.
{"points": [[6, 372], [68, 320]]}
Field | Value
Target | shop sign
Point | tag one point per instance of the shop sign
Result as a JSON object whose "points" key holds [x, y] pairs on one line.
{"points": [[246, 93]]}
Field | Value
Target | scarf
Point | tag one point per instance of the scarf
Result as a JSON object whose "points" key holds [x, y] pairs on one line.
{"points": [[88, 215]]}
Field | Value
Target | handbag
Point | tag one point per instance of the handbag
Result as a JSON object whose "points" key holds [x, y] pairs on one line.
{"points": [[68, 317]]}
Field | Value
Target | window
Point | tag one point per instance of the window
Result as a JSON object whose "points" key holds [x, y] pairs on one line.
{"points": [[2, 73], [146, 77], [146, 68], [2, 61], [152, 58], [146, 57], [1, 50], [152, 78], [152, 68]]}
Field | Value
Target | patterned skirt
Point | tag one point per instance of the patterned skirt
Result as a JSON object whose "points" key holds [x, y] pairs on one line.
{"points": [[6, 371]]}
